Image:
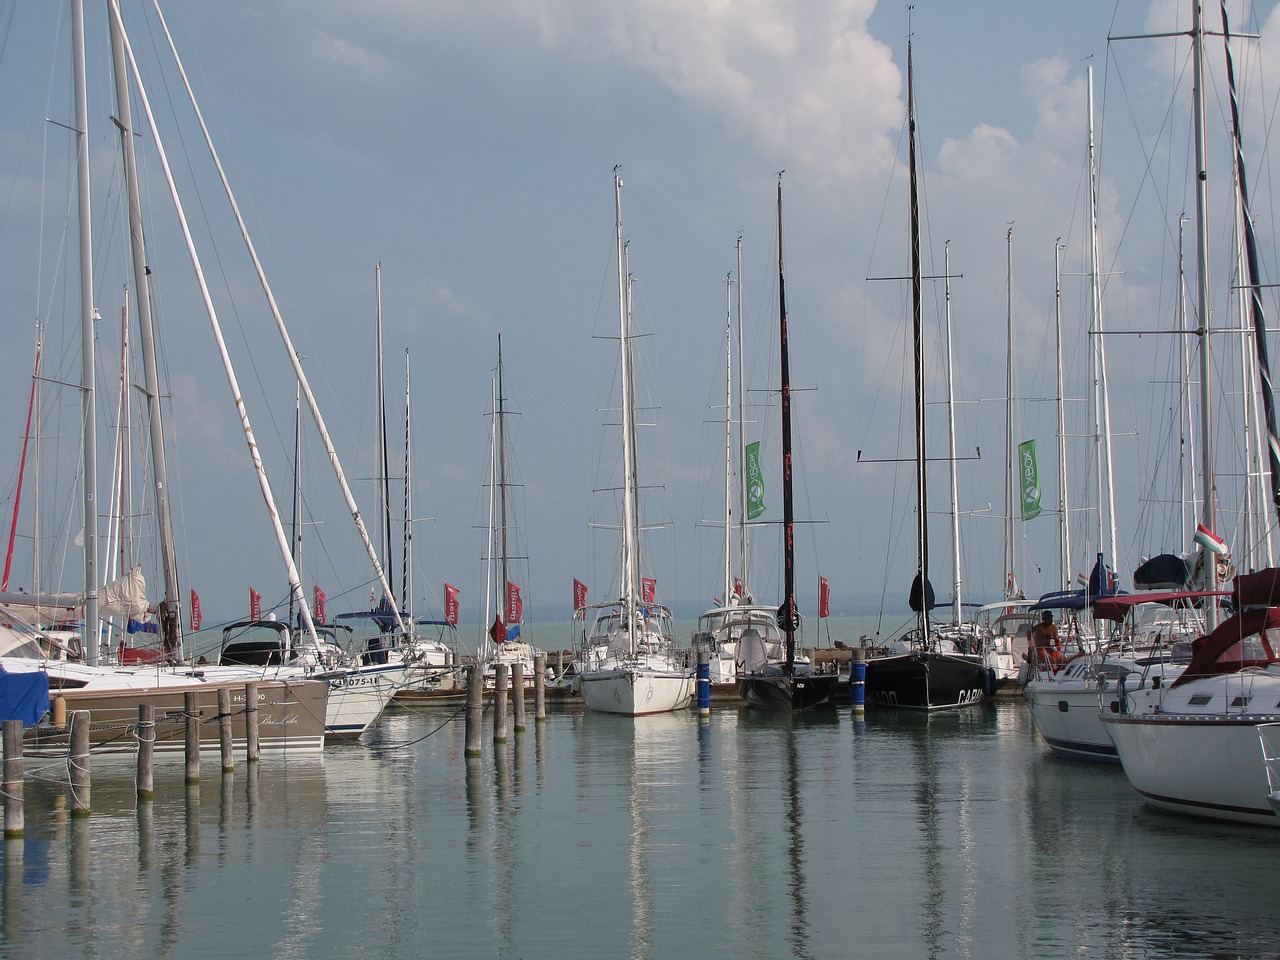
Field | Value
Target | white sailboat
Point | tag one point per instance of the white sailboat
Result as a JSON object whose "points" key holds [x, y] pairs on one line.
{"points": [[629, 663]]}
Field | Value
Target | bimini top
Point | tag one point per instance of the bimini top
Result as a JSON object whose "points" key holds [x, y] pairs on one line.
{"points": [[1117, 607], [1238, 642]]}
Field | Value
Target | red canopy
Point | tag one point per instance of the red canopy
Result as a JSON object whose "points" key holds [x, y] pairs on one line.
{"points": [[1117, 607], [1221, 651]]}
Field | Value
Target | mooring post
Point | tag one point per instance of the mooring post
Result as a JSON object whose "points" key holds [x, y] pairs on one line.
{"points": [[858, 681], [79, 764], [517, 692], [14, 817], [704, 682], [539, 687], [475, 710], [146, 737], [253, 752], [191, 714], [500, 681], [224, 729]]}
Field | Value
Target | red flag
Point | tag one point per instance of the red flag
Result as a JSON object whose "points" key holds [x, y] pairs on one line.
{"points": [[515, 604], [317, 606], [824, 598], [737, 586], [450, 605], [255, 604], [497, 632], [648, 589], [579, 596], [195, 611]]}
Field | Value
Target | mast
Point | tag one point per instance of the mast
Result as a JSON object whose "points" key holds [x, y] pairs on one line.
{"points": [[742, 438], [1102, 398], [788, 614], [1064, 523], [957, 606], [88, 314], [728, 440], [500, 412], [169, 609], [1011, 588], [1252, 280], [490, 550], [384, 479], [407, 577], [1209, 486], [264, 485], [630, 524], [297, 487], [290, 351], [921, 598]]}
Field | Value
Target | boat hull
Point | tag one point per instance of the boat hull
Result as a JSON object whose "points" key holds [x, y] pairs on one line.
{"points": [[926, 681], [636, 692], [291, 718], [1066, 714], [357, 698], [1205, 766], [775, 690]]}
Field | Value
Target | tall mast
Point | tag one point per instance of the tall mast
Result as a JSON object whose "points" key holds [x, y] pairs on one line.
{"points": [[88, 314], [788, 615], [290, 351], [728, 440], [406, 578], [384, 479], [1209, 487], [630, 524], [296, 542], [921, 590], [264, 485], [170, 607], [501, 414], [1011, 588], [957, 604], [1102, 398], [742, 438], [1064, 520]]}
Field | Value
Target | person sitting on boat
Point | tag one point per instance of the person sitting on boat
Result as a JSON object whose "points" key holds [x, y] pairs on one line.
{"points": [[1044, 640]]}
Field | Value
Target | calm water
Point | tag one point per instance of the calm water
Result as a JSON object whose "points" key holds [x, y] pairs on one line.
{"points": [[749, 836]]}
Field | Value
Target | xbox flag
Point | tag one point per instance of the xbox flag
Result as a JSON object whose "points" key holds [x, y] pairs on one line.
{"points": [[755, 482], [1029, 476]]}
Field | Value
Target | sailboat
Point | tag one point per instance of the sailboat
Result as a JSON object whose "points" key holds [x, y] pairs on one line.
{"points": [[923, 671], [769, 675], [721, 627], [501, 641], [629, 663], [1193, 745]]}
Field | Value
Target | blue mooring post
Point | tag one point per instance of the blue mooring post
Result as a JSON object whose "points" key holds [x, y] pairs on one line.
{"points": [[858, 681], [704, 683]]}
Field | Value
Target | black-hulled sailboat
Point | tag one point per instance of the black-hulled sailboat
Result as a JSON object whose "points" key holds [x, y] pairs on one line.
{"points": [[767, 676], [926, 671]]}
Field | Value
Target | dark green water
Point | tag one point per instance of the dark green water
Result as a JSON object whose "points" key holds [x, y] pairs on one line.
{"points": [[596, 836]]}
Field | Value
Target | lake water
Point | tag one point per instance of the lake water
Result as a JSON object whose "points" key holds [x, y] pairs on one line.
{"points": [[592, 836]]}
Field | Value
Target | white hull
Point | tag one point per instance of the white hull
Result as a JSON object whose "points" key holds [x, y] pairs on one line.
{"points": [[1204, 766], [636, 690]]}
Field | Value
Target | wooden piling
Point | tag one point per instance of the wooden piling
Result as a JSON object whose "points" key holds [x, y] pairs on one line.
{"points": [[517, 694], [475, 710], [78, 764], [191, 714], [500, 682], [539, 687], [253, 752], [224, 729], [146, 737], [14, 816]]}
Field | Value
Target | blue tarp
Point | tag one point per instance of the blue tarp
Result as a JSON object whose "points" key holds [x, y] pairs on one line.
{"points": [[24, 696]]}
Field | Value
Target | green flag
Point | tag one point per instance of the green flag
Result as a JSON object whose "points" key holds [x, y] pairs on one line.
{"points": [[1029, 478], [755, 482]]}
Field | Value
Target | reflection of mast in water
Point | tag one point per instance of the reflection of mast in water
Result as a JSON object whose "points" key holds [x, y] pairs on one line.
{"points": [[799, 936], [927, 810], [641, 917]]}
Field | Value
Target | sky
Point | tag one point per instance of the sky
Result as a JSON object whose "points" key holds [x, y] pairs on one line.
{"points": [[470, 149]]}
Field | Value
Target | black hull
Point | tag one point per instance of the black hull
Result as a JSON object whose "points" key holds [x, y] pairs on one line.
{"points": [[926, 681], [772, 689]]}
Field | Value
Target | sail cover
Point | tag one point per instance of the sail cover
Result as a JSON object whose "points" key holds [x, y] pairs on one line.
{"points": [[126, 597]]}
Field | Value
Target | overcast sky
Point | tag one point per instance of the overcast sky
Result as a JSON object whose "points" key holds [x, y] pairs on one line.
{"points": [[469, 149]]}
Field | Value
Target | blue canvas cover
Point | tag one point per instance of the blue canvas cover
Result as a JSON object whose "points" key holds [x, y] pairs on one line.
{"points": [[24, 696]]}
